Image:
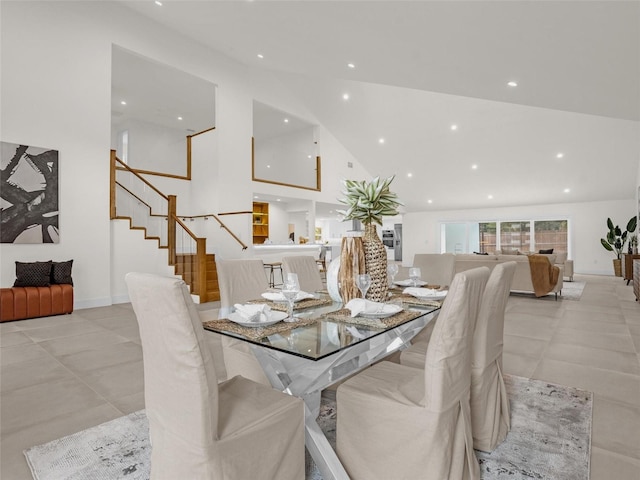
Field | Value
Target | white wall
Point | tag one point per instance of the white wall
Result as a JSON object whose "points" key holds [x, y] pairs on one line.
{"points": [[587, 224], [56, 93]]}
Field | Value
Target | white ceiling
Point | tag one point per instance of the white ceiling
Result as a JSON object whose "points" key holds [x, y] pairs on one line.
{"points": [[421, 66]]}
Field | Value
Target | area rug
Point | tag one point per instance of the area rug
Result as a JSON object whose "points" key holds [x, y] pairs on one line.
{"points": [[550, 439], [570, 291]]}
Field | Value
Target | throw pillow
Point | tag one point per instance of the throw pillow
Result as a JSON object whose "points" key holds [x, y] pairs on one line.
{"points": [[547, 251], [61, 272], [33, 274]]}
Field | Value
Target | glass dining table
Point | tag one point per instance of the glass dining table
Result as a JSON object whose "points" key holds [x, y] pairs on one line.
{"points": [[323, 347]]}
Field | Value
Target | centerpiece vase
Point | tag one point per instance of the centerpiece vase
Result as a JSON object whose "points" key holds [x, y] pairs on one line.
{"points": [[351, 264], [375, 259]]}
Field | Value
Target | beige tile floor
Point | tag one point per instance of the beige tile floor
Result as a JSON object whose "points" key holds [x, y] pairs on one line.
{"points": [[62, 374]]}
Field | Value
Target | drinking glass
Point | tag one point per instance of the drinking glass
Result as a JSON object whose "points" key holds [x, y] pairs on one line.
{"points": [[290, 290], [363, 282], [414, 275], [392, 270]]}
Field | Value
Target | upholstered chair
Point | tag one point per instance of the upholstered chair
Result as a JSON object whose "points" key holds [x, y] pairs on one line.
{"points": [[398, 422], [239, 281], [436, 268], [199, 428], [490, 420], [307, 269]]}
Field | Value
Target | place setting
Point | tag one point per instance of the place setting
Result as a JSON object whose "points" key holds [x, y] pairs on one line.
{"points": [[415, 291], [280, 299]]}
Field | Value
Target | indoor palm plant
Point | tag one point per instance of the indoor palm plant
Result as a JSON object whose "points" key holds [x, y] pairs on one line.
{"points": [[615, 240], [369, 203]]}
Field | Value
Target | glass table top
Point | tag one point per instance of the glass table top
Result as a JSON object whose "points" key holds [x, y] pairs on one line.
{"points": [[323, 337]]}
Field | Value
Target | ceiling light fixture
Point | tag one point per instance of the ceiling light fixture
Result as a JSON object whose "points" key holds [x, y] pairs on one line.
{"points": [[255, 196], [566, 190], [345, 96], [512, 83], [260, 55], [286, 120], [158, 2], [351, 65], [429, 201], [560, 155], [179, 118], [489, 197], [123, 102], [454, 127], [277, 199], [409, 174], [381, 140], [474, 167]]}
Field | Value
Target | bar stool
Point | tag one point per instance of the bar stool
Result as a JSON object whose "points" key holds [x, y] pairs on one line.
{"points": [[272, 267]]}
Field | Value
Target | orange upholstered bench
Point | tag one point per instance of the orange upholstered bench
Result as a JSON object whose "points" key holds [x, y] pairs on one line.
{"points": [[17, 303]]}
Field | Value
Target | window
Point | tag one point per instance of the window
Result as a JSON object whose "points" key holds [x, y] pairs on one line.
{"points": [[515, 236], [487, 237], [550, 234]]}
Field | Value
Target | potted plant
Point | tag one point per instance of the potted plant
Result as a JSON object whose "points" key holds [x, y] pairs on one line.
{"points": [[616, 239], [369, 203]]}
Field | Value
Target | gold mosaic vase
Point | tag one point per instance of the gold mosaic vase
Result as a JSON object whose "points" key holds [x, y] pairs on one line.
{"points": [[375, 259]]}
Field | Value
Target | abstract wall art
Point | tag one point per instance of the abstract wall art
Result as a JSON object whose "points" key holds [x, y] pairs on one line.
{"points": [[28, 194]]}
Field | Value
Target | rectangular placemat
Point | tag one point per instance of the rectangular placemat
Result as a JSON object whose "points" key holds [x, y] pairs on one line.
{"points": [[256, 333], [302, 304], [411, 300], [344, 315]]}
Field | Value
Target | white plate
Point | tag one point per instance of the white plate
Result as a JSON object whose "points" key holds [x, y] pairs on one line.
{"points": [[274, 317], [387, 310], [439, 295], [409, 283]]}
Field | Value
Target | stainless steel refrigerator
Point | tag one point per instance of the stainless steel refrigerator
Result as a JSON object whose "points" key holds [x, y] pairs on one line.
{"points": [[397, 242]]}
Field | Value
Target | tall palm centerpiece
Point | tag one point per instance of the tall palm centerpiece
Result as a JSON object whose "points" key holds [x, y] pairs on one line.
{"points": [[369, 203]]}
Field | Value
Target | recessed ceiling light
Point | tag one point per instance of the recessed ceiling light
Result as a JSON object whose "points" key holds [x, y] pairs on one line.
{"points": [[179, 118], [286, 120], [255, 196], [260, 55], [351, 65], [123, 102], [277, 199], [489, 197], [429, 201], [512, 83], [268, 166], [409, 174], [454, 127], [345, 96], [566, 190], [308, 156], [560, 155], [474, 167], [381, 140], [158, 2]]}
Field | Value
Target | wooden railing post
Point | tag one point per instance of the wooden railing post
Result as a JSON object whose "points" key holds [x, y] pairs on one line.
{"points": [[201, 268], [171, 228]]}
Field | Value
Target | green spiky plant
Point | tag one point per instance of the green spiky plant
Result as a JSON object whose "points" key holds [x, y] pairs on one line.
{"points": [[369, 202], [616, 238]]}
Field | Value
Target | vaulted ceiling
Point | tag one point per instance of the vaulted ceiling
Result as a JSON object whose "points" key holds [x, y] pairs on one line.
{"points": [[568, 132]]}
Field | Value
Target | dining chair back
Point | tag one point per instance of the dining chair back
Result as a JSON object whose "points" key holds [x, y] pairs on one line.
{"points": [[307, 269], [402, 422], [490, 419], [436, 268], [197, 426]]}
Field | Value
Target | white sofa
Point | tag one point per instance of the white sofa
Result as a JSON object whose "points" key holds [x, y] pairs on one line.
{"points": [[561, 260], [522, 277]]}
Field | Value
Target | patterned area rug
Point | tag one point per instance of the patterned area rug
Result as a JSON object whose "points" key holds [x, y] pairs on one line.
{"points": [[550, 439]]}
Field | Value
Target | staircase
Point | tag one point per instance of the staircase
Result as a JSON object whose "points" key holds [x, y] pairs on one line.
{"points": [[186, 267]]}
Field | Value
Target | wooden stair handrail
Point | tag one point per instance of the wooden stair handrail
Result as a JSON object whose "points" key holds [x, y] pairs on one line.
{"points": [[222, 225], [115, 159]]}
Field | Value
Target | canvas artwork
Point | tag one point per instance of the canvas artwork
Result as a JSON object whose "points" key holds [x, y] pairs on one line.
{"points": [[28, 194]]}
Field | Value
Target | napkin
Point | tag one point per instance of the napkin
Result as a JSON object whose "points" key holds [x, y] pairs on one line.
{"points": [[279, 297], [360, 305], [254, 312], [423, 292]]}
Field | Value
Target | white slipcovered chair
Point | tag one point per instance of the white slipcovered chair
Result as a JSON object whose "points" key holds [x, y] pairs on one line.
{"points": [[490, 418], [307, 269], [199, 428], [436, 268], [400, 422], [239, 281]]}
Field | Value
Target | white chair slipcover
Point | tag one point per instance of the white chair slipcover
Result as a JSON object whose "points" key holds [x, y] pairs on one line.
{"points": [[436, 268], [200, 429], [239, 281], [489, 403], [400, 422], [490, 420], [307, 269]]}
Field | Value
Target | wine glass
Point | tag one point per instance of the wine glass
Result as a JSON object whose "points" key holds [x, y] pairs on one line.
{"points": [[363, 282], [392, 270], [290, 290], [414, 275]]}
